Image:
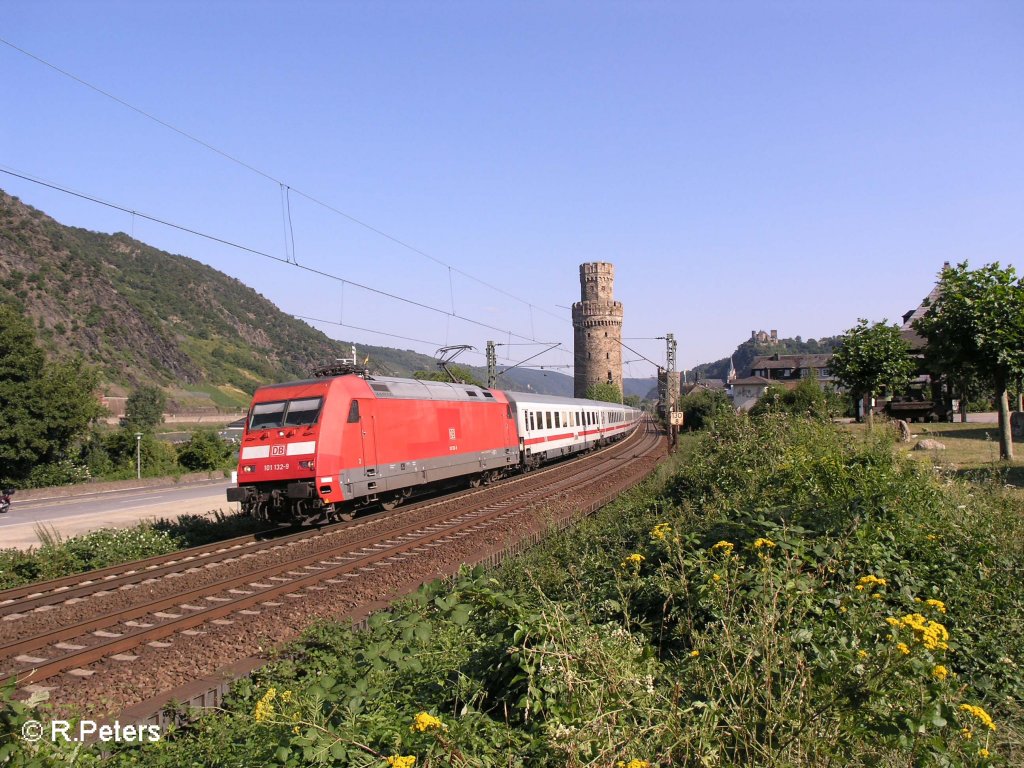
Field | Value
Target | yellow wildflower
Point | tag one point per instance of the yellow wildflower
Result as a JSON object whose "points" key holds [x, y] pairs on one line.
{"points": [[931, 634], [632, 562], [983, 752], [660, 531], [876, 596], [966, 734], [296, 730], [862, 654], [937, 605], [402, 762], [869, 581], [715, 577], [763, 544], [979, 714], [694, 654], [427, 722], [633, 764], [903, 648], [940, 672], [725, 547], [286, 696], [892, 621], [265, 706]]}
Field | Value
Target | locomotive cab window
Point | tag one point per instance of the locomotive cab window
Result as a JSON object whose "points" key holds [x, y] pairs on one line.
{"points": [[353, 412], [266, 415], [301, 413]]}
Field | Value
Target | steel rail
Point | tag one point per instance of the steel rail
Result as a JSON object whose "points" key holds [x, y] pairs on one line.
{"points": [[125, 640], [55, 591]]}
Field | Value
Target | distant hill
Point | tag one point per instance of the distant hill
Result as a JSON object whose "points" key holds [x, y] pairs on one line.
{"points": [[144, 316], [745, 353]]}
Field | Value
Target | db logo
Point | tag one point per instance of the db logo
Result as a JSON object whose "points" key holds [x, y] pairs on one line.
{"points": [[277, 450]]}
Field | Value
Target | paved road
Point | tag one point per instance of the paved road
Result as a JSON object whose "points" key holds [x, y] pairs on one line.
{"points": [[77, 514]]}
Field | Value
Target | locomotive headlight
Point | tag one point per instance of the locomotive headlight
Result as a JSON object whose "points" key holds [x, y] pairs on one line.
{"points": [[249, 468], [309, 464]]}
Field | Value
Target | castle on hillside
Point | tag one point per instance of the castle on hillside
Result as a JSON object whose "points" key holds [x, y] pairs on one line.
{"points": [[760, 337], [597, 326]]}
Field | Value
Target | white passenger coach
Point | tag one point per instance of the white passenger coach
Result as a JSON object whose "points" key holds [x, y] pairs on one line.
{"points": [[550, 427]]}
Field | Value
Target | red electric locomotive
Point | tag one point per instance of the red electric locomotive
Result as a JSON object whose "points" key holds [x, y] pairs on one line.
{"points": [[322, 448]]}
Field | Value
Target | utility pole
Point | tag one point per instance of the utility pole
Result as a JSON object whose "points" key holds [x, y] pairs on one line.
{"points": [[492, 365], [138, 455], [671, 385], [670, 363]]}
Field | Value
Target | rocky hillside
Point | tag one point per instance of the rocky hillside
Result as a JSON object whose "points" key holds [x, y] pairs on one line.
{"points": [[141, 316]]}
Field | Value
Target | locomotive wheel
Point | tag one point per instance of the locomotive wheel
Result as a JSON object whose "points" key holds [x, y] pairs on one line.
{"points": [[393, 501]]}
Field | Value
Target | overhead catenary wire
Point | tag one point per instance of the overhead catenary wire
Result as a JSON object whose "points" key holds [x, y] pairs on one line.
{"points": [[272, 178], [398, 336], [366, 330], [256, 252]]}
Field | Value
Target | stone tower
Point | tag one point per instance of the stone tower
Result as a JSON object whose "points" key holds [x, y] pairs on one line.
{"points": [[597, 322]]}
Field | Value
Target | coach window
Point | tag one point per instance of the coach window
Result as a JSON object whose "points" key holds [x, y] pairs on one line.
{"points": [[530, 414], [558, 422], [547, 418]]}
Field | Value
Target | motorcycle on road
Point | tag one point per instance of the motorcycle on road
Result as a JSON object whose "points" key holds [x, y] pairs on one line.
{"points": [[5, 499]]}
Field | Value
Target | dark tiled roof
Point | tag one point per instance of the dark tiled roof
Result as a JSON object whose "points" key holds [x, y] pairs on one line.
{"points": [[751, 380], [912, 337], [790, 361]]}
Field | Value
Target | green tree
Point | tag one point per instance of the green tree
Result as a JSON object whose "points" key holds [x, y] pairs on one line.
{"points": [[806, 399], [204, 451], [977, 325], [144, 409], [870, 359], [43, 406], [633, 401], [605, 392], [463, 374], [156, 457], [703, 406]]}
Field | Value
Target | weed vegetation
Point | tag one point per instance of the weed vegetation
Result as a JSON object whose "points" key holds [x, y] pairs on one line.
{"points": [[781, 594], [57, 557]]}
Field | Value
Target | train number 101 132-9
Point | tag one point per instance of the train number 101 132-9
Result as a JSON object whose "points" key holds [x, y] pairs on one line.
{"points": [[275, 467]]}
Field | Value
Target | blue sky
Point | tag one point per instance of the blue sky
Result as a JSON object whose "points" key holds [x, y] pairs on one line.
{"points": [[783, 165]]}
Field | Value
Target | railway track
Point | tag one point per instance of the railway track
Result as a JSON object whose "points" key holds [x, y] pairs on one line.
{"points": [[343, 555]]}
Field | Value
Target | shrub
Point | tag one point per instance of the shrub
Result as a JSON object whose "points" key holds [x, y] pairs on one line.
{"points": [[703, 406]]}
